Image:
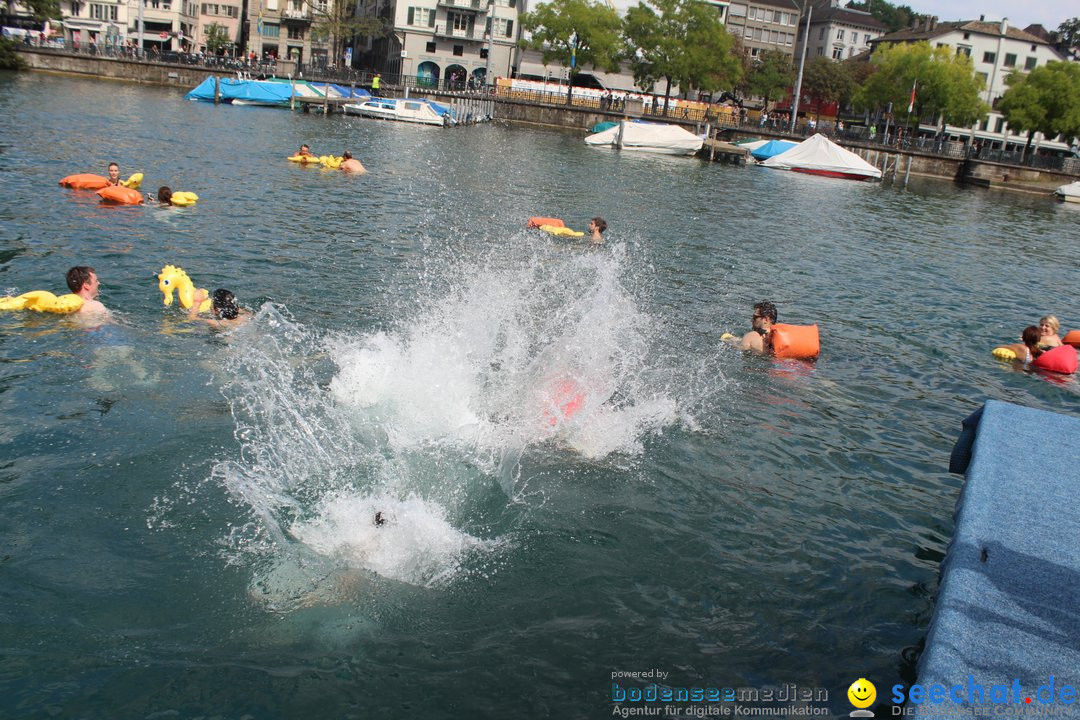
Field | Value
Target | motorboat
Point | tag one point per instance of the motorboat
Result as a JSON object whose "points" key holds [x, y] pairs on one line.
{"points": [[819, 155], [661, 138], [411, 110], [1069, 193]]}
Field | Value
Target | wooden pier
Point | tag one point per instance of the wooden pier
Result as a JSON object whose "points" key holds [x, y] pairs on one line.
{"points": [[719, 151]]}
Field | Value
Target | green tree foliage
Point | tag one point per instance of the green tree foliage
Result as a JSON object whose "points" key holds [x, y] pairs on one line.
{"points": [[217, 37], [947, 84], [680, 41], [9, 59], [338, 22], [1068, 32], [770, 76], [893, 17], [1045, 100], [596, 28], [826, 80], [42, 10]]}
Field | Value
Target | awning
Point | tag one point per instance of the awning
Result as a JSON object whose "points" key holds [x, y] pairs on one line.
{"points": [[80, 24]]}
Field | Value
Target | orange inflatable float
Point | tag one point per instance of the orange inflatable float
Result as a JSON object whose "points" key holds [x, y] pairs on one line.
{"points": [[120, 195], [536, 222], [1061, 359], [565, 397], [85, 181], [1072, 338], [795, 341]]}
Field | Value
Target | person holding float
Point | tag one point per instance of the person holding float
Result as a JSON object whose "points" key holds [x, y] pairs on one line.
{"points": [[1061, 358], [768, 337]]}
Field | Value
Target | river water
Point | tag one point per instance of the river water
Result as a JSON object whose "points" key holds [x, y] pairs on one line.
{"points": [[187, 515]]}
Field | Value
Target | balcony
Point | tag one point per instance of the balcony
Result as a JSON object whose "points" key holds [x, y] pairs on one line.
{"points": [[296, 16], [457, 34], [473, 5]]}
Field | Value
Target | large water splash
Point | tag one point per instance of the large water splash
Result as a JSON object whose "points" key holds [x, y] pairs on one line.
{"points": [[525, 349]]}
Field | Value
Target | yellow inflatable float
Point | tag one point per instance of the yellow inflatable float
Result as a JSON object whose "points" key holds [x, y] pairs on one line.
{"points": [[561, 231], [173, 279], [1004, 353], [133, 182], [42, 301], [332, 162], [183, 199]]}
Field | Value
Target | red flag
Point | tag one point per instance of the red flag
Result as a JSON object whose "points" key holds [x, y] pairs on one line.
{"points": [[911, 104]]}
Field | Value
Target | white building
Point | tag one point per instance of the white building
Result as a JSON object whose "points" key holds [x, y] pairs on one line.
{"points": [[996, 49], [765, 24], [444, 41], [837, 32]]}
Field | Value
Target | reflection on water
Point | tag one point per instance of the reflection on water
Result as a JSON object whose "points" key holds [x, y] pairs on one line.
{"points": [[577, 477]]}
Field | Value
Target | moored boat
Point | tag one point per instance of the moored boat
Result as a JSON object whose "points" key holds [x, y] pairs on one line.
{"points": [[820, 156], [411, 110], [660, 138], [1069, 193]]}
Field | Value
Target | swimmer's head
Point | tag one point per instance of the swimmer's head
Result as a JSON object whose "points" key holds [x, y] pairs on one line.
{"points": [[347, 155], [1031, 335], [599, 223], [379, 519], [164, 195], [224, 305]]}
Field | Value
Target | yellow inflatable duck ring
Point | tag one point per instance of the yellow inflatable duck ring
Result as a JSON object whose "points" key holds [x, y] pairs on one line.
{"points": [[42, 301], [562, 231], [183, 199], [174, 279], [133, 182], [1004, 353]]}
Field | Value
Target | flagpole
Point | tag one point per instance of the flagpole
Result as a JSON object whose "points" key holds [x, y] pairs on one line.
{"points": [[798, 81]]}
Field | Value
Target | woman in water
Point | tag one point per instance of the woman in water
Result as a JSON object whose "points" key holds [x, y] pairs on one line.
{"points": [[1048, 332], [1027, 350], [224, 310]]}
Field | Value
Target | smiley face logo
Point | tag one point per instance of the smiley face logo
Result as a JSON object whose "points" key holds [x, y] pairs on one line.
{"points": [[862, 693]]}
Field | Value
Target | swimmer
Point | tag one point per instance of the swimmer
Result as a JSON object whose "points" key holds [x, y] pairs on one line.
{"points": [[351, 165], [305, 151], [1028, 349], [164, 196], [759, 340], [83, 281], [224, 310], [114, 174], [597, 226], [1048, 332], [379, 519]]}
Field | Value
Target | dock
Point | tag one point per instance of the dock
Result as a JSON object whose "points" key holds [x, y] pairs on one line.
{"points": [[719, 151]]}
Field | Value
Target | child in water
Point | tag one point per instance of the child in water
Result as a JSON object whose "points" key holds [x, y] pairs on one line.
{"points": [[224, 310]]}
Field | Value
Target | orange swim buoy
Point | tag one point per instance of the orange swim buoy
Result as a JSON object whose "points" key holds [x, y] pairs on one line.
{"points": [[120, 195], [1072, 338], [85, 181], [1061, 359], [795, 341], [536, 222], [565, 398]]}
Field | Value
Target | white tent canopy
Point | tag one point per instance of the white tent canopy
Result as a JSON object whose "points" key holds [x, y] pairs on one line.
{"points": [[820, 156]]}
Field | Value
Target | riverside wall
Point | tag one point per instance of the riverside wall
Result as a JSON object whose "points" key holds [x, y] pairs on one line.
{"points": [[896, 163]]}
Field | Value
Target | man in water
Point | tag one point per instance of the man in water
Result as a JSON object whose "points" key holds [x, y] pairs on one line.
{"points": [[351, 164], [597, 226], [114, 174], [758, 340], [224, 310], [83, 281]]}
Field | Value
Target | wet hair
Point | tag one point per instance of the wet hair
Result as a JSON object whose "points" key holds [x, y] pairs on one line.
{"points": [[601, 223], [114, 165], [379, 519], [766, 310], [164, 194], [305, 146], [347, 155], [78, 276], [224, 305], [1031, 336], [1051, 321]]}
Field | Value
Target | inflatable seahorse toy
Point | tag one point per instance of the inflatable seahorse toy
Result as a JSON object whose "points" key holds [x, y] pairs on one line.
{"points": [[175, 279], [42, 301]]}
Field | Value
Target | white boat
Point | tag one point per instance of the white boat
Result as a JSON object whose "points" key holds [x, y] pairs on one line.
{"points": [[660, 138], [820, 156], [412, 110], [1069, 193]]}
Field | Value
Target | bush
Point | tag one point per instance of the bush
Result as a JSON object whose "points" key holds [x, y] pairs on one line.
{"points": [[9, 59]]}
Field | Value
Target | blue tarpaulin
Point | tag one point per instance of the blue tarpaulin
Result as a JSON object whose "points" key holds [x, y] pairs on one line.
{"points": [[771, 148], [260, 91], [1007, 611]]}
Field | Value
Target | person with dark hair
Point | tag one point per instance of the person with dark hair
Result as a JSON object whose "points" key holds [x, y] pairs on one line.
{"points": [[1028, 349], [304, 151], [164, 195], [597, 226], [114, 174], [83, 281], [351, 164], [758, 340], [224, 310]]}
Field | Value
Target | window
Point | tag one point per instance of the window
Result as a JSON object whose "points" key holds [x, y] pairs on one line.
{"points": [[1029, 64], [840, 34], [459, 50], [821, 51], [776, 16], [420, 17], [430, 47], [821, 35], [838, 53], [271, 30], [967, 36], [296, 33], [1010, 59], [737, 10], [483, 53], [983, 77], [757, 33], [1000, 124], [509, 28], [963, 50], [989, 57]]}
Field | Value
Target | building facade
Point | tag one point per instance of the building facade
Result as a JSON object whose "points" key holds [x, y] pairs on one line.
{"points": [[282, 29], [837, 32], [996, 49], [223, 13], [765, 24], [448, 42]]}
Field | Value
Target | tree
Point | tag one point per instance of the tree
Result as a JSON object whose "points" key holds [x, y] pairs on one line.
{"points": [[9, 58], [1045, 100], [583, 30], [827, 81], [946, 83], [217, 37], [1068, 33], [42, 10], [336, 21], [680, 41], [893, 17], [770, 76]]}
